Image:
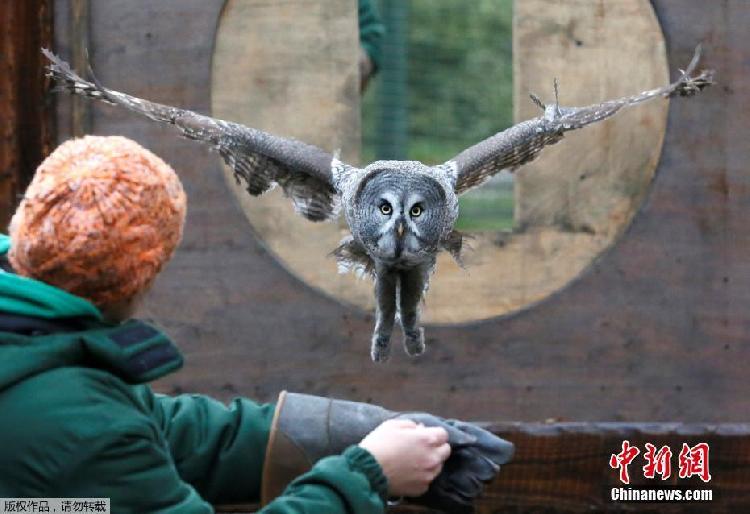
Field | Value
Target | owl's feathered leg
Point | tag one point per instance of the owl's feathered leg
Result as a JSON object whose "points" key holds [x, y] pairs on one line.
{"points": [[412, 286], [386, 284]]}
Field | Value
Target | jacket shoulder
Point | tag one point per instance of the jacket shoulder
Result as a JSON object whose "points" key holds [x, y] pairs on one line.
{"points": [[49, 417]]}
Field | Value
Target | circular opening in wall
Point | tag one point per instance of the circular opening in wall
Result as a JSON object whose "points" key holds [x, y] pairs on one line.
{"points": [[453, 75]]}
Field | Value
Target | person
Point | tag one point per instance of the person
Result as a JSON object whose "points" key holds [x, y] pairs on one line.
{"points": [[100, 219], [371, 32]]}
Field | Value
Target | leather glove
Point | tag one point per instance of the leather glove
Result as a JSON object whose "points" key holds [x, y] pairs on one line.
{"points": [[307, 428], [467, 470]]}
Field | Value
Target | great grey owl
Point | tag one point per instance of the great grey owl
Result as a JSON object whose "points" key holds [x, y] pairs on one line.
{"points": [[400, 213]]}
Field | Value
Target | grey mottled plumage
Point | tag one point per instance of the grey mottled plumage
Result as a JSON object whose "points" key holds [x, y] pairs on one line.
{"points": [[400, 213]]}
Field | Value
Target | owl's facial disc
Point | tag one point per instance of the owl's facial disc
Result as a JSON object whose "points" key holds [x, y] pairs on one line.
{"points": [[400, 216]]}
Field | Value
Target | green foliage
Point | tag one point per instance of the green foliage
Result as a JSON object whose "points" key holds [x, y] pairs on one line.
{"points": [[489, 210], [459, 91], [460, 81]]}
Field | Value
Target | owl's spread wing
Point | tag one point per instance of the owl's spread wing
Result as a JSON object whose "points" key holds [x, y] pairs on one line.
{"points": [[521, 143], [259, 159]]}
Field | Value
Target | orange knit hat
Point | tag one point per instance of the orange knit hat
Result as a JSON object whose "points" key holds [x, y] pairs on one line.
{"points": [[99, 220]]}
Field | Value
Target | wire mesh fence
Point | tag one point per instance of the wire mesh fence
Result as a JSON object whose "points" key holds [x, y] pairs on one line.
{"points": [[445, 84]]}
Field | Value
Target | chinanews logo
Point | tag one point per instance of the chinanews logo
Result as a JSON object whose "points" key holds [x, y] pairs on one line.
{"points": [[692, 461]]}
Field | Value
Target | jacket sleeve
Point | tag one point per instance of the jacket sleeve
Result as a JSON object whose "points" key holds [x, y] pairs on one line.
{"points": [[220, 451], [217, 448], [350, 483]]}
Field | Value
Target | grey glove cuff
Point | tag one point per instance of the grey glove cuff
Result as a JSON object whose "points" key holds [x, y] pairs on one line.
{"points": [[323, 426], [307, 428]]}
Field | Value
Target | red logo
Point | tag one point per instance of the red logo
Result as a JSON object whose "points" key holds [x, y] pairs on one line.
{"points": [[623, 459], [692, 461], [657, 462]]}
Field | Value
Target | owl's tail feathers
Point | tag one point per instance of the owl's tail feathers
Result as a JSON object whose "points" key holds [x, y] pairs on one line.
{"points": [[69, 81], [352, 256], [456, 243]]}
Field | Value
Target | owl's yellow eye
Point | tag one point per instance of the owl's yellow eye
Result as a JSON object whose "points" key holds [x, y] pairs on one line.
{"points": [[415, 210], [386, 208]]}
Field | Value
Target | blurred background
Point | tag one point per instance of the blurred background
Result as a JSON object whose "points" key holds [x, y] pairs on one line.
{"points": [[609, 278], [598, 288], [445, 82]]}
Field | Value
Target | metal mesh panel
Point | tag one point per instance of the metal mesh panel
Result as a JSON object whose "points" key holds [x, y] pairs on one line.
{"points": [[445, 84]]}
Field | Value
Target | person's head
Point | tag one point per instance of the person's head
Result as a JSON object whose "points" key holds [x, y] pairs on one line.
{"points": [[100, 219]]}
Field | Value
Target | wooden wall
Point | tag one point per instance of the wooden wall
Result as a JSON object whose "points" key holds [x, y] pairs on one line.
{"points": [[563, 468], [26, 123], [655, 329]]}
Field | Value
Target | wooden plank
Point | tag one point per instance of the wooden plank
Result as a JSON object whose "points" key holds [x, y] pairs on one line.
{"points": [[596, 178], [579, 196], [8, 109], [269, 72], [563, 468], [655, 329], [291, 68], [79, 43], [26, 129]]}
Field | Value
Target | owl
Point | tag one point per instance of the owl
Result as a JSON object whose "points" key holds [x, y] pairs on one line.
{"points": [[400, 213]]}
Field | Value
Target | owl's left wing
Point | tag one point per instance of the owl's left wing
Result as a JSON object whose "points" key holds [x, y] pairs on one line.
{"points": [[261, 160], [511, 148]]}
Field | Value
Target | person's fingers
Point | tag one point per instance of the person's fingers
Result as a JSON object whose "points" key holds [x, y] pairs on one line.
{"points": [[430, 460], [444, 451], [434, 462], [431, 473], [456, 436], [435, 436], [401, 423]]}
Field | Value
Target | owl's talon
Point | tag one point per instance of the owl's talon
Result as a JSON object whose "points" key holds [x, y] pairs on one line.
{"points": [[381, 349], [414, 342]]}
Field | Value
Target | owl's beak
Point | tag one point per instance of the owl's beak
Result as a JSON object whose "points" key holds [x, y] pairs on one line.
{"points": [[400, 228]]}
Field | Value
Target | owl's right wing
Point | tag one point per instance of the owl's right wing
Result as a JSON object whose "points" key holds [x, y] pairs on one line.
{"points": [[523, 142], [259, 159]]}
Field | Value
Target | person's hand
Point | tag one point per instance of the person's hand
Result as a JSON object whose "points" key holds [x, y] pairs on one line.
{"points": [[410, 455]]}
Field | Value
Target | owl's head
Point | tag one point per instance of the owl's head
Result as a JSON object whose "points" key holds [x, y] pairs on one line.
{"points": [[402, 211]]}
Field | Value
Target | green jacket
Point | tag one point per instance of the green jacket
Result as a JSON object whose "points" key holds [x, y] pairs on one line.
{"points": [[76, 420], [371, 31]]}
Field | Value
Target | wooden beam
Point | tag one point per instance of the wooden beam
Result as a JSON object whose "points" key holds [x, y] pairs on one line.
{"points": [[26, 130], [79, 44], [564, 468]]}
